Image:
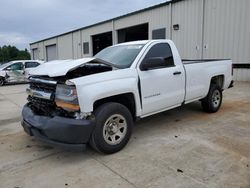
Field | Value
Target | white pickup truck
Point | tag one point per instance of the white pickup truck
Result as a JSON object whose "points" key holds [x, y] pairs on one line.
{"points": [[96, 100]]}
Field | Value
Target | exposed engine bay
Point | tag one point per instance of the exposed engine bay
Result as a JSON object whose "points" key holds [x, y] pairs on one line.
{"points": [[85, 70]]}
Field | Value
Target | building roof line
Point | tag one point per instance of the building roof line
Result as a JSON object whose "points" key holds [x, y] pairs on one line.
{"points": [[110, 20]]}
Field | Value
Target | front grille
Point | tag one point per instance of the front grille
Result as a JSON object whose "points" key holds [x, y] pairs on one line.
{"points": [[40, 104], [48, 88]]}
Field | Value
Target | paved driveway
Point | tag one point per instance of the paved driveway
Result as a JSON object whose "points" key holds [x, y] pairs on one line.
{"points": [[184, 147]]}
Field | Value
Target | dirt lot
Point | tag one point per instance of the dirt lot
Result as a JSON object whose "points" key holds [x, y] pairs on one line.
{"points": [[184, 147]]}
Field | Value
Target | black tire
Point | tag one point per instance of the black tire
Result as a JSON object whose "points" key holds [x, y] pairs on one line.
{"points": [[213, 100], [104, 137], [1, 81]]}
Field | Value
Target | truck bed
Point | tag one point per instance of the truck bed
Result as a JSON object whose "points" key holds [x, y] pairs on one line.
{"points": [[200, 72]]}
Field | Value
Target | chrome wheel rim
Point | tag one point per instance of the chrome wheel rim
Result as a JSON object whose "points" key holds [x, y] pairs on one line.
{"points": [[216, 98], [114, 129]]}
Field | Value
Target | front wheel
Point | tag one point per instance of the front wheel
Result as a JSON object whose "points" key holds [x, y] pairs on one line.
{"points": [[113, 129], [213, 100]]}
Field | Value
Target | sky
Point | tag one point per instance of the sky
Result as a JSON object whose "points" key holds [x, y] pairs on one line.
{"points": [[26, 21]]}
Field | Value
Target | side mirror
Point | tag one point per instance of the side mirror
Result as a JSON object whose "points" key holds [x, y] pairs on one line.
{"points": [[152, 63], [8, 69]]}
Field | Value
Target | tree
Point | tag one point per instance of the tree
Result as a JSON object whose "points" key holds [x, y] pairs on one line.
{"points": [[10, 53]]}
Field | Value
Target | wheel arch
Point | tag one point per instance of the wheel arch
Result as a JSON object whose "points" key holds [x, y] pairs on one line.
{"points": [[218, 80], [126, 99]]}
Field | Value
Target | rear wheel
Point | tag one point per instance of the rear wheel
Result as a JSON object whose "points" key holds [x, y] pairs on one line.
{"points": [[1, 81], [213, 100], [113, 129]]}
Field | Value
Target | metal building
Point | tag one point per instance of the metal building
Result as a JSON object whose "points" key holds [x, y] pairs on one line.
{"points": [[201, 29]]}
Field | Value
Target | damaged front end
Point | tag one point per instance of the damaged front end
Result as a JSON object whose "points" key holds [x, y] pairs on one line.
{"points": [[48, 98], [53, 113], [57, 96]]}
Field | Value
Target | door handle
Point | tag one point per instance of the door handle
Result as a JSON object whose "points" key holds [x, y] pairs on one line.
{"points": [[177, 73]]}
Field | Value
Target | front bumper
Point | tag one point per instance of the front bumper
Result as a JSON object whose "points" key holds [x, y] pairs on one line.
{"points": [[65, 132]]}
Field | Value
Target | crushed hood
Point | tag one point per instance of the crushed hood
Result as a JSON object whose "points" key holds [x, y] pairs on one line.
{"points": [[59, 67]]}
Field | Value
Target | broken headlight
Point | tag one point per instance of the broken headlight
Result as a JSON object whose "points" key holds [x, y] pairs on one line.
{"points": [[66, 97]]}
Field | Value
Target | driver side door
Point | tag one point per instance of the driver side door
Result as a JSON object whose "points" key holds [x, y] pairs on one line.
{"points": [[15, 72], [162, 87]]}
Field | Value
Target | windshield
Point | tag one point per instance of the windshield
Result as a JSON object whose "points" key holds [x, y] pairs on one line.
{"points": [[120, 56]]}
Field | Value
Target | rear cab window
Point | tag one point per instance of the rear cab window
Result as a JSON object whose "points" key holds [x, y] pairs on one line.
{"points": [[31, 64]]}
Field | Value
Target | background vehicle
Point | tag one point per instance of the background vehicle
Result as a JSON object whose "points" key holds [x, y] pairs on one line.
{"points": [[96, 100], [17, 71]]}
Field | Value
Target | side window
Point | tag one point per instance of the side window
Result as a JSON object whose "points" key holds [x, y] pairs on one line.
{"points": [[161, 50], [31, 64], [16, 66]]}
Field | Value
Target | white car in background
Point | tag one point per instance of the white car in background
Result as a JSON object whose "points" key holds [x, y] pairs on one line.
{"points": [[17, 71]]}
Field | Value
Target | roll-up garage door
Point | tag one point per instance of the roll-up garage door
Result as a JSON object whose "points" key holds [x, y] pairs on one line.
{"points": [[51, 52]]}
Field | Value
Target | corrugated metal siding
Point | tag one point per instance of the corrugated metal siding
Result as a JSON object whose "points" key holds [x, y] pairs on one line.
{"points": [[33, 46], [50, 42], [225, 35], [40, 48], [227, 30], [65, 47], [157, 18], [241, 74], [188, 39], [77, 45]]}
